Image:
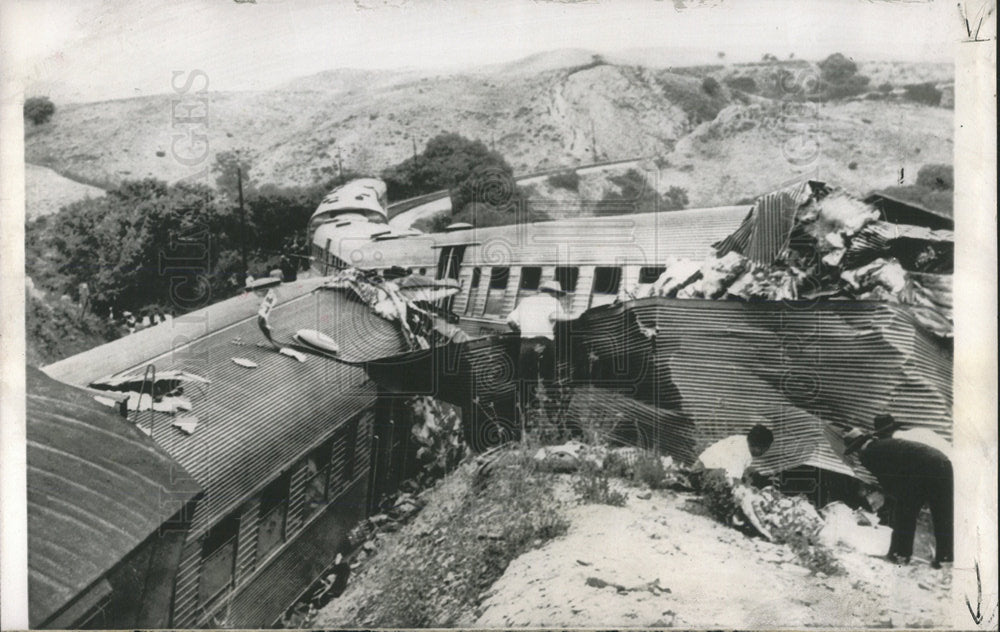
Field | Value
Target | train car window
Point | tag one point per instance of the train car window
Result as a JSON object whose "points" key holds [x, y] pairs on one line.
{"points": [[477, 274], [496, 290], [218, 558], [317, 480], [273, 514], [530, 278], [606, 284], [449, 262], [650, 274], [567, 277]]}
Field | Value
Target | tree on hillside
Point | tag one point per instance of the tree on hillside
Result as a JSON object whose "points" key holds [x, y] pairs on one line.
{"points": [[143, 244], [226, 177], [446, 162], [839, 79], [710, 86], [925, 93], [837, 68], [938, 177], [38, 110], [492, 185], [635, 195]]}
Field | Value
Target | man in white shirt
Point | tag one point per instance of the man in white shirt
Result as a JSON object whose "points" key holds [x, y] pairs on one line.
{"points": [[534, 319], [734, 454]]}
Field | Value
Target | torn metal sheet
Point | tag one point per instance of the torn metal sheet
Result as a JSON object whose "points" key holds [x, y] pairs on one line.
{"points": [[721, 367]]}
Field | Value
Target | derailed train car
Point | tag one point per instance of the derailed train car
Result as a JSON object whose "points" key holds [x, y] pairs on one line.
{"points": [[686, 332], [807, 311]]}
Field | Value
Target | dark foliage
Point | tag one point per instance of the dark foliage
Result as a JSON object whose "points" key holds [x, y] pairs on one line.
{"points": [[569, 180], [937, 177], [924, 93], [710, 86], [839, 79], [744, 83], [447, 161], [38, 110], [635, 195]]}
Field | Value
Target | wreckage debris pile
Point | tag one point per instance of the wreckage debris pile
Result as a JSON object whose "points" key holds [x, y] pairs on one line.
{"points": [[406, 300], [809, 242]]}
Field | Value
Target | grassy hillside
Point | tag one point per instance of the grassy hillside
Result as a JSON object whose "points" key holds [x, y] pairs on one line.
{"points": [[555, 109], [46, 191]]}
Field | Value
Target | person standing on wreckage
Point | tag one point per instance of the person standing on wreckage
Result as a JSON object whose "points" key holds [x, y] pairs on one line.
{"points": [[913, 474], [534, 320]]}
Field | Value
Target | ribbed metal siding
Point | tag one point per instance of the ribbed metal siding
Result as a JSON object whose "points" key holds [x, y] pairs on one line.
{"points": [[727, 365], [246, 553], [96, 489]]}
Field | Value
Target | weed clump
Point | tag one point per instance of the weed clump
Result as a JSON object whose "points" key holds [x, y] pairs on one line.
{"points": [[593, 486]]}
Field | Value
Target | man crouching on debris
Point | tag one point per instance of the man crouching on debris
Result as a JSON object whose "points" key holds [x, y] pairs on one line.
{"points": [[912, 474], [534, 319], [733, 455]]}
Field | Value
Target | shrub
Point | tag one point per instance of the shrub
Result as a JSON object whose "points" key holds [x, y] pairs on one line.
{"points": [[710, 86], [924, 93], [58, 329], [837, 68], [648, 469], [674, 199], [38, 110], [885, 88], [569, 180], [938, 177], [852, 165], [744, 83], [717, 496], [593, 486]]}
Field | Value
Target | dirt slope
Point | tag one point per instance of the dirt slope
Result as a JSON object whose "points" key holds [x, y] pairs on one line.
{"points": [[657, 561], [716, 578]]}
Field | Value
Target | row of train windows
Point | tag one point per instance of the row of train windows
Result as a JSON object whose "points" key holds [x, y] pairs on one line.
{"points": [[607, 283]]}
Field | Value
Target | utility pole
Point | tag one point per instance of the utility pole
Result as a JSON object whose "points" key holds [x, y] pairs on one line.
{"points": [[243, 218], [593, 142]]}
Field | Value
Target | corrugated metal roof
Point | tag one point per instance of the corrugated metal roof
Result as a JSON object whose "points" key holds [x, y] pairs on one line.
{"points": [[796, 368], [640, 238], [97, 488], [253, 422], [126, 352]]}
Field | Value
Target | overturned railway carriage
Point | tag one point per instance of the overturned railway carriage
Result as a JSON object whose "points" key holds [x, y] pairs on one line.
{"points": [[675, 373], [283, 449]]}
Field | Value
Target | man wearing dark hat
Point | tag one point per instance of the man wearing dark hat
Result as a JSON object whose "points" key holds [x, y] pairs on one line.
{"points": [[887, 427], [534, 319], [913, 474]]}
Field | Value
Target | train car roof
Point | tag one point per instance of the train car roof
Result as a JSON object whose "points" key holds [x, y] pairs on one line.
{"points": [[639, 238]]}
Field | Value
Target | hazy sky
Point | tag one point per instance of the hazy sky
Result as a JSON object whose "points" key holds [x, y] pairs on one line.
{"points": [[77, 50]]}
